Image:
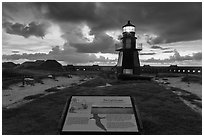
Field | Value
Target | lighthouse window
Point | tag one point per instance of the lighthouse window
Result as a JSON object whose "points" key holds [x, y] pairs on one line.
{"points": [[128, 43], [129, 29]]}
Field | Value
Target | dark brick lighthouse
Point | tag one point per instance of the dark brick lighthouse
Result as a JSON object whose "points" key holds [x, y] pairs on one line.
{"points": [[128, 60]]}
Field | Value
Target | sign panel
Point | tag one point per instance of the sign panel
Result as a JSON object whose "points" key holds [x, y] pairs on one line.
{"points": [[100, 114]]}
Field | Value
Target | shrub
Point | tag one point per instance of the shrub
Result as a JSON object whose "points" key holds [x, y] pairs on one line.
{"points": [[194, 79]]}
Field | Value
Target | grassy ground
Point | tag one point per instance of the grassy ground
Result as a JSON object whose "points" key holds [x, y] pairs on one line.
{"points": [[161, 110], [192, 78]]}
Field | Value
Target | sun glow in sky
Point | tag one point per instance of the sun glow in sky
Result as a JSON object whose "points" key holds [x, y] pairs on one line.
{"points": [[86, 33]]}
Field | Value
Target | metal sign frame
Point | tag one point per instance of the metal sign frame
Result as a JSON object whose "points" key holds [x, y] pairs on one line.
{"points": [[135, 110]]}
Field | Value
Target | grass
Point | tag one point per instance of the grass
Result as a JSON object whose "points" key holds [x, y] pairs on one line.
{"points": [[192, 78], [161, 111], [33, 96], [53, 89], [161, 75], [188, 96]]}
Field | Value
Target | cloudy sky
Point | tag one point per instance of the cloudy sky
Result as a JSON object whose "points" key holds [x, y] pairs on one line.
{"points": [[86, 33]]}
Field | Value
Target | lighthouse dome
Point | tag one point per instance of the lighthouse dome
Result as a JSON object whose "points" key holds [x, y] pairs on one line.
{"points": [[129, 27]]}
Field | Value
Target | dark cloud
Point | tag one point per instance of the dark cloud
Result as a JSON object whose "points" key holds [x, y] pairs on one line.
{"points": [[55, 50], [167, 22], [32, 29], [73, 34], [68, 55], [73, 12], [150, 53], [197, 56], [15, 51], [177, 57], [172, 21], [158, 47], [102, 43], [168, 51], [6, 17]]}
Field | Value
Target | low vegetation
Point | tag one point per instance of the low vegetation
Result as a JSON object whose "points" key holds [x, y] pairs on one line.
{"points": [[192, 78], [161, 75], [33, 96], [11, 76], [188, 96], [53, 89], [162, 113]]}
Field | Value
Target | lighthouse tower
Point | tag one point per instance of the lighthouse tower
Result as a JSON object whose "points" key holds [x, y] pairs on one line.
{"points": [[128, 60]]}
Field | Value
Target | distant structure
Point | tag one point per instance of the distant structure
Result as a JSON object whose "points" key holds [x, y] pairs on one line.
{"points": [[146, 69], [27, 65], [51, 65], [71, 67], [30, 64], [128, 60], [171, 69], [8, 65]]}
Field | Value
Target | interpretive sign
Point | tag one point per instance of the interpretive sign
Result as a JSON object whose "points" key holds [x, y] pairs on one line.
{"points": [[100, 114]]}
